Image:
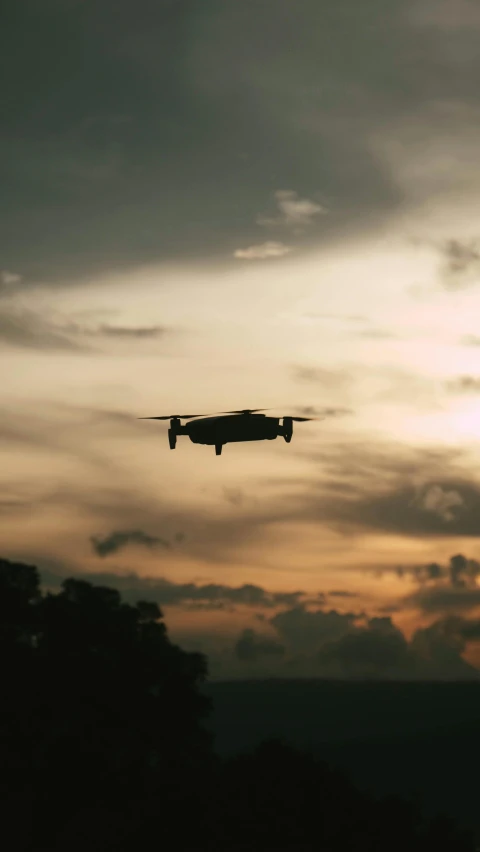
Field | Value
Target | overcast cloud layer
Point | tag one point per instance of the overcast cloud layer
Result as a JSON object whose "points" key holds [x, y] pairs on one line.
{"points": [[165, 130]]}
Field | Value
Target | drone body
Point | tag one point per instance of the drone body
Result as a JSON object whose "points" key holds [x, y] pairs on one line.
{"points": [[237, 426]]}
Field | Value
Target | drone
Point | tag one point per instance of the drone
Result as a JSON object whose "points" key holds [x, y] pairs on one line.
{"points": [[227, 427]]}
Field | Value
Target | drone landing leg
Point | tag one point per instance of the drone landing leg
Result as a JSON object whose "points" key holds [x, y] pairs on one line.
{"points": [[218, 449]]}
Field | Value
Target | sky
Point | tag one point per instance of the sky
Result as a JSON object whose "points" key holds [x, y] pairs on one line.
{"points": [[209, 206]]}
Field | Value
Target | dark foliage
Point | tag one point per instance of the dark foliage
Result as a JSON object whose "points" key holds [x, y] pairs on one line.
{"points": [[102, 745]]}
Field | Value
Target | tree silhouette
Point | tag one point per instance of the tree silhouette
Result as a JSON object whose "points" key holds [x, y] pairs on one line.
{"points": [[102, 745], [280, 798], [98, 707]]}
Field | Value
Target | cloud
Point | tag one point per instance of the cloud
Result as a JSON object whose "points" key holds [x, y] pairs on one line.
{"points": [[445, 15], [120, 539], [9, 279], [392, 489], [28, 329], [461, 263], [379, 384], [465, 384], [375, 333], [439, 501], [57, 432], [445, 598], [262, 251], [468, 629], [376, 649], [342, 593], [330, 644], [234, 496], [399, 510], [445, 588], [294, 211], [133, 332], [470, 340], [438, 650], [250, 646], [75, 201], [380, 648], [303, 630], [329, 379], [167, 593], [460, 571]]}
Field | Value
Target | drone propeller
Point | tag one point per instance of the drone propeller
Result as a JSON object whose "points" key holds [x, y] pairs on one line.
{"points": [[190, 416], [239, 411], [245, 411], [173, 417]]}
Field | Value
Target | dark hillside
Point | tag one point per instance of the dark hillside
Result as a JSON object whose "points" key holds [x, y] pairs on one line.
{"points": [[405, 738]]}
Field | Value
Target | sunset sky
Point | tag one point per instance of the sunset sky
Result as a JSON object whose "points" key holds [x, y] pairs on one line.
{"points": [[212, 205]]}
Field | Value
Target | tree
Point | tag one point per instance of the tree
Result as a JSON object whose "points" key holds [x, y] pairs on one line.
{"points": [[99, 709]]}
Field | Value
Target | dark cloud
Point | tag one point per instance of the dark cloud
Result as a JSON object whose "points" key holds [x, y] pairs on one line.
{"points": [[142, 332], [251, 646], [383, 492], [468, 629], [340, 593], [303, 630], [120, 539], [432, 571], [329, 644], [461, 263], [444, 598], [27, 329], [438, 650], [165, 592], [389, 609], [292, 598], [380, 648], [7, 506], [463, 571], [444, 502], [464, 384], [234, 496], [111, 162], [459, 572], [446, 588]]}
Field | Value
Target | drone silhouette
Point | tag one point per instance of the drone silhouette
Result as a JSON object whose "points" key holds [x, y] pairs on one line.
{"points": [[227, 427]]}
